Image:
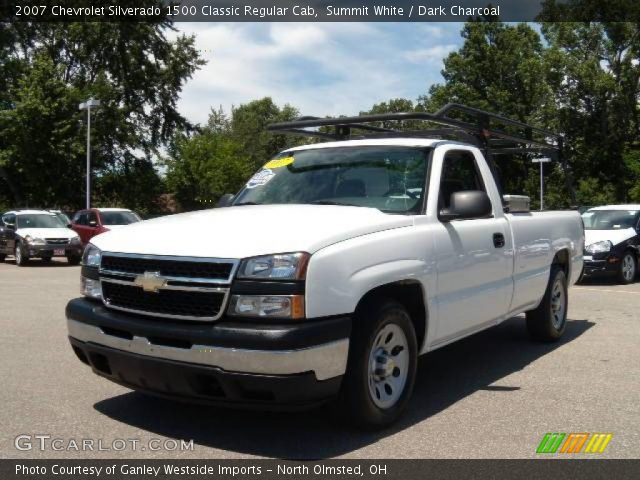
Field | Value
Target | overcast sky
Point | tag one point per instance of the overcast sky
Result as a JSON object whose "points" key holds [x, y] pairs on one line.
{"points": [[321, 68]]}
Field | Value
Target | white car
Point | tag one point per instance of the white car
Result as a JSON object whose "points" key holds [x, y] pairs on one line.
{"points": [[612, 241], [27, 234], [328, 274]]}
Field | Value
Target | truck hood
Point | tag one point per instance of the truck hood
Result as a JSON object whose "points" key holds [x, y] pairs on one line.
{"points": [[47, 232], [614, 236], [247, 231]]}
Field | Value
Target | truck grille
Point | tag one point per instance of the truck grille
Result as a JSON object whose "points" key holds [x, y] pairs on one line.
{"points": [[165, 303], [190, 269], [183, 288]]}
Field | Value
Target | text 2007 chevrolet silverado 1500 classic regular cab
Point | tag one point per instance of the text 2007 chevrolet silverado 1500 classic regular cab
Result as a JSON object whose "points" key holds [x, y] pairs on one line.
{"points": [[327, 275]]}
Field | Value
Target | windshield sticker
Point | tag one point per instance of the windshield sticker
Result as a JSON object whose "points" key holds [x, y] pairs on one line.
{"points": [[279, 162], [260, 178]]}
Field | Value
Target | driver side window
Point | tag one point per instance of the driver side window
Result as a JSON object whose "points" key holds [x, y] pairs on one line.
{"points": [[459, 174]]}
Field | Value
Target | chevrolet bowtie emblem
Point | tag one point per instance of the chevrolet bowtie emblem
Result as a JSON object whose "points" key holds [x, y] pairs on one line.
{"points": [[150, 281]]}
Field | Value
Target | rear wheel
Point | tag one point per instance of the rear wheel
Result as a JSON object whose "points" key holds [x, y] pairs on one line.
{"points": [[21, 259], [549, 320], [382, 365], [628, 268], [2, 257]]}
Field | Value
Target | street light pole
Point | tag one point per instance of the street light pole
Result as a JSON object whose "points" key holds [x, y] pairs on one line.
{"points": [[87, 105], [541, 161]]}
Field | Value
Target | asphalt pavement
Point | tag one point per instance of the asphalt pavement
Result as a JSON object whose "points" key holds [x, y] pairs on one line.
{"points": [[492, 395]]}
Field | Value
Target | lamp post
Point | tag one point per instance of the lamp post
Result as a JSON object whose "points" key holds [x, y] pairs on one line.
{"points": [[91, 103], [541, 161]]}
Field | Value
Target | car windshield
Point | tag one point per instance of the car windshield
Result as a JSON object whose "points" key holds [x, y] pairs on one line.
{"points": [[388, 178], [610, 219], [119, 218], [39, 220]]}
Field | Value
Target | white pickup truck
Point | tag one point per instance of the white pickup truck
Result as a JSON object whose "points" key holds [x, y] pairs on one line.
{"points": [[325, 277]]}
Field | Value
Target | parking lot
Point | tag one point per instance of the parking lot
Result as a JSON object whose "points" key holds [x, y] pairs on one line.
{"points": [[493, 395]]}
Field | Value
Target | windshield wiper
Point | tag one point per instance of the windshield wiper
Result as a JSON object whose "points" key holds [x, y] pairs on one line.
{"points": [[333, 202]]}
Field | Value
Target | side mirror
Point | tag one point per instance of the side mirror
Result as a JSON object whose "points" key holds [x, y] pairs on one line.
{"points": [[69, 225], [225, 200], [466, 205]]}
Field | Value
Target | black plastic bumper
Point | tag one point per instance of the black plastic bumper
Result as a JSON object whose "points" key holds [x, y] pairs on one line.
{"points": [[34, 251], [598, 267], [202, 383]]}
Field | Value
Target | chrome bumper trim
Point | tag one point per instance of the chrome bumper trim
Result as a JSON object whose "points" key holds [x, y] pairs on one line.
{"points": [[326, 361]]}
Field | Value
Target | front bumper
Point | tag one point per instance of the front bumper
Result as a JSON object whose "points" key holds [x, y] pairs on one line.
{"points": [[599, 266], [52, 250], [225, 362]]}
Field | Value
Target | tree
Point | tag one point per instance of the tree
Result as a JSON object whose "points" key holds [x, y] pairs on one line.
{"points": [[132, 68]]}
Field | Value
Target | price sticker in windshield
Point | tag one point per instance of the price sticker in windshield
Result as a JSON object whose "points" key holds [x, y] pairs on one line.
{"points": [[260, 178]]}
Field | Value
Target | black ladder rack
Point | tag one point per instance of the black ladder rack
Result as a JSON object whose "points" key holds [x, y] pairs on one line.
{"points": [[494, 134]]}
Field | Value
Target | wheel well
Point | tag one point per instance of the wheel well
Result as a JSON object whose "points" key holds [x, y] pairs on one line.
{"points": [[562, 259], [408, 293]]}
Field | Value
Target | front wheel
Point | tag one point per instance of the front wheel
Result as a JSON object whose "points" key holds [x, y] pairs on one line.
{"points": [[628, 268], [21, 260], [382, 363], [548, 321], [2, 257]]}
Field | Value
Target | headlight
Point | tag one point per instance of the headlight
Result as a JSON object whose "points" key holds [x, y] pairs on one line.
{"points": [[90, 288], [34, 240], [274, 306], [599, 247], [75, 240], [285, 266], [91, 256]]}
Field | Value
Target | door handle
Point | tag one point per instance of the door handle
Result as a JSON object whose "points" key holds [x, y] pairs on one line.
{"points": [[498, 240]]}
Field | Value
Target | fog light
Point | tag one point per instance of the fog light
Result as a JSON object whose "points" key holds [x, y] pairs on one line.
{"points": [[275, 306], [90, 288]]}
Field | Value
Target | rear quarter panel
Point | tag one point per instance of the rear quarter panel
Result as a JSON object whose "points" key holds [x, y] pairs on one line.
{"points": [[537, 237]]}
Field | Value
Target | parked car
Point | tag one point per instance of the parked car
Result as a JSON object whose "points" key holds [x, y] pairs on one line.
{"points": [[326, 276], [94, 221], [40, 234], [612, 241]]}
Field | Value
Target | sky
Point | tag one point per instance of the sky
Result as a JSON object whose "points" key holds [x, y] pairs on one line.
{"points": [[320, 68]]}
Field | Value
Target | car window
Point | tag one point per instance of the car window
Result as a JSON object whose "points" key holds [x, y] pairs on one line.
{"points": [[80, 218], [610, 219], [459, 174], [39, 220], [119, 218], [9, 218], [91, 217]]}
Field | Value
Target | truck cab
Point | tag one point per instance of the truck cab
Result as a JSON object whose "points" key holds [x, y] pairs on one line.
{"points": [[324, 278]]}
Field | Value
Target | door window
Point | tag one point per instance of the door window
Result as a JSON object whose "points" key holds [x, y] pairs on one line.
{"points": [[459, 173], [92, 217]]}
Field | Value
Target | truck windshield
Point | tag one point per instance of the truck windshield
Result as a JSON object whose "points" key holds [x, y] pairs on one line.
{"points": [[39, 220], [389, 178], [119, 218], [610, 219]]}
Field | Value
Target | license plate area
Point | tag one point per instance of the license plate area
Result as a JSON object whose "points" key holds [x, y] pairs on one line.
{"points": [[58, 252]]}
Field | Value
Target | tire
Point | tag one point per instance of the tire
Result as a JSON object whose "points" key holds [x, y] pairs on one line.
{"points": [[383, 340], [73, 260], [628, 268], [548, 321], [2, 257], [21, 259]]}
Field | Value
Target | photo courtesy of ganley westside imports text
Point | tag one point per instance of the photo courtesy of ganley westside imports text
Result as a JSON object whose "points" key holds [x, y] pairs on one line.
{"points": [[319, 239]]}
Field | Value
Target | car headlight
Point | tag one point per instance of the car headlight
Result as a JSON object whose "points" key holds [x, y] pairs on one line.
{"points": [[34, 240], [284, 266], [91, 256], [599, 247], [274, 306], [75, 240]]}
